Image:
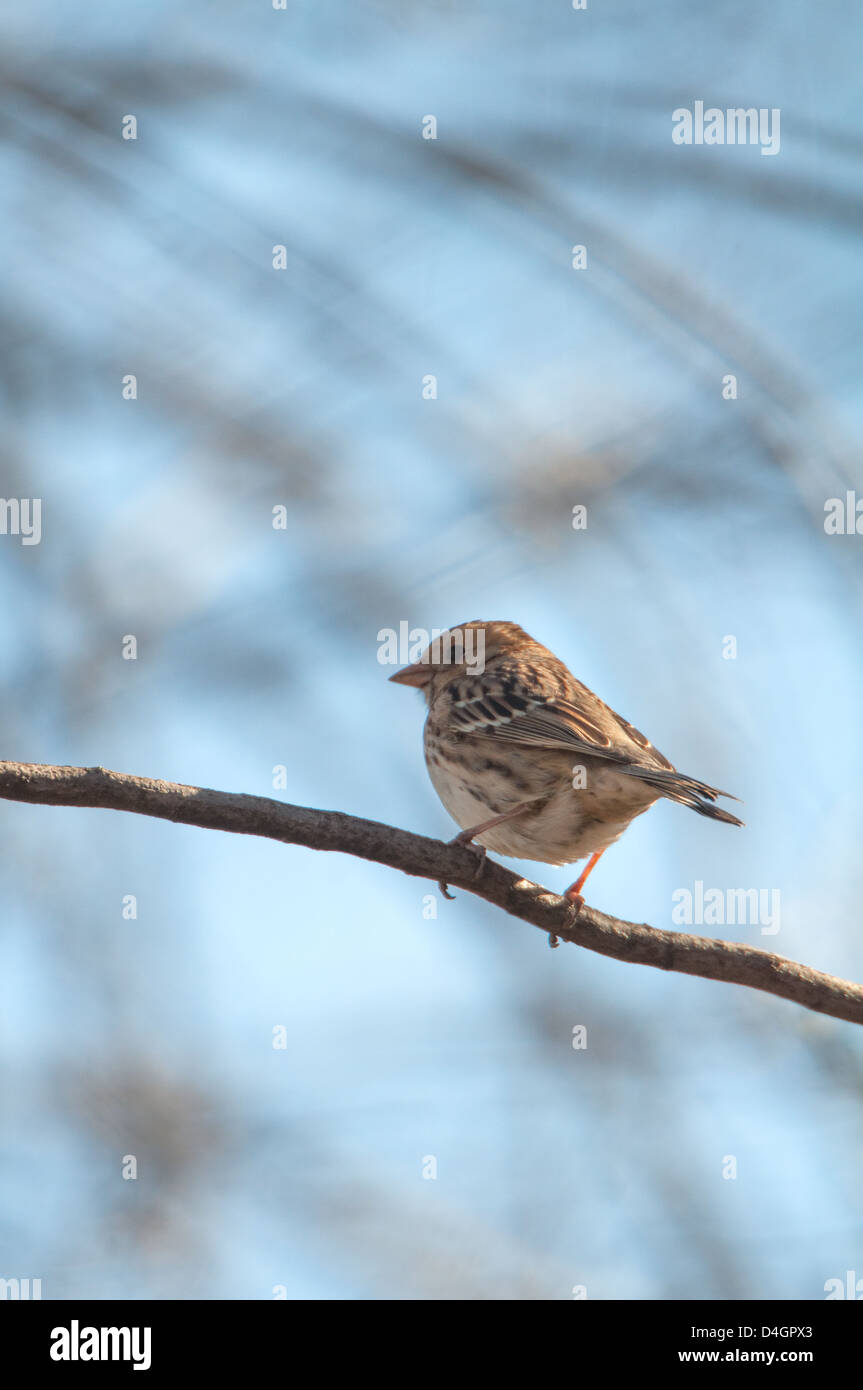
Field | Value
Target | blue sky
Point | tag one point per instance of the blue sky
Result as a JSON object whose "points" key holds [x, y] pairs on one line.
{"points": [[410, 1037]]}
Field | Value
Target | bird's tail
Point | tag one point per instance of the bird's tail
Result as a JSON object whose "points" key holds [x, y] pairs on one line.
{"points": [[687, 791]]}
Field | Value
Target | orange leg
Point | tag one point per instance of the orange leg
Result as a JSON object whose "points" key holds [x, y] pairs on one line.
{"points": [[573, 893]]}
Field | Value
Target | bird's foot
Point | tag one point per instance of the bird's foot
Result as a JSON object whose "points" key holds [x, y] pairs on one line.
{"points": [[464, 838], [573, 896], [479, 850]]}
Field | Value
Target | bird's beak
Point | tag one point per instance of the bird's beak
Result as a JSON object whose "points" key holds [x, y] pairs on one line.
{"points": [[419, 675]]}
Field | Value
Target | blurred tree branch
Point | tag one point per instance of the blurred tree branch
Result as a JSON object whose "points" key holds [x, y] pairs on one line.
{"points": [[421, 857]]}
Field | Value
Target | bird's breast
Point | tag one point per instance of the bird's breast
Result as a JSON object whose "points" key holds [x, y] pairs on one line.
{"points": [[477, 780]]}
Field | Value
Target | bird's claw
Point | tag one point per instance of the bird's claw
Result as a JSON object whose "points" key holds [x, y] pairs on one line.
{"points": [[577, 901], [479, 850], [466, 842]]}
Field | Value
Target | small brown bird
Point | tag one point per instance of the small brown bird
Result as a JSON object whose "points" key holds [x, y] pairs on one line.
{"points": [[529, 761]]}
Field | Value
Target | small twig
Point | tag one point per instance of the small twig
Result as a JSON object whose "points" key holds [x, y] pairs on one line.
{"points": [[433, 859]]}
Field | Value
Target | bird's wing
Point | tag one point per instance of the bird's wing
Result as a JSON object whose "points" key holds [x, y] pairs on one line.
{"points": [[506, 709]]}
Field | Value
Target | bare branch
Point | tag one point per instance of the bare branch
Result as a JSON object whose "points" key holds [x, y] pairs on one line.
{"points": [[432, 859]]}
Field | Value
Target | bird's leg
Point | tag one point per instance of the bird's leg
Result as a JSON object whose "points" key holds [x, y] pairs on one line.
{"points": [[466, 838], [573, 892]]}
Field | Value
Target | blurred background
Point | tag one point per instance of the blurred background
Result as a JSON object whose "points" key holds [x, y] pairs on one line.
{"points": [[412, 1037]]}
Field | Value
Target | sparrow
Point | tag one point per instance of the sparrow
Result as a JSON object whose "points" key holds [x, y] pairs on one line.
{"points": [[528, 761]]}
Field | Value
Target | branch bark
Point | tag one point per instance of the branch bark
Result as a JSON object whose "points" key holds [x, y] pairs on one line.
{"points": [[421, 857]]}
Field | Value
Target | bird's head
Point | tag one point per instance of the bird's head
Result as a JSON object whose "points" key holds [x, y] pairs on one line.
{"points": [[465, 650]]}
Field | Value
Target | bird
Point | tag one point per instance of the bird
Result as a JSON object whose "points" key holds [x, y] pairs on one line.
{"points": [[528, 761]]}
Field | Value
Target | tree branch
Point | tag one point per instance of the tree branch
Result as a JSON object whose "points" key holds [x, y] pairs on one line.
{"points": [[433, 859]]}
